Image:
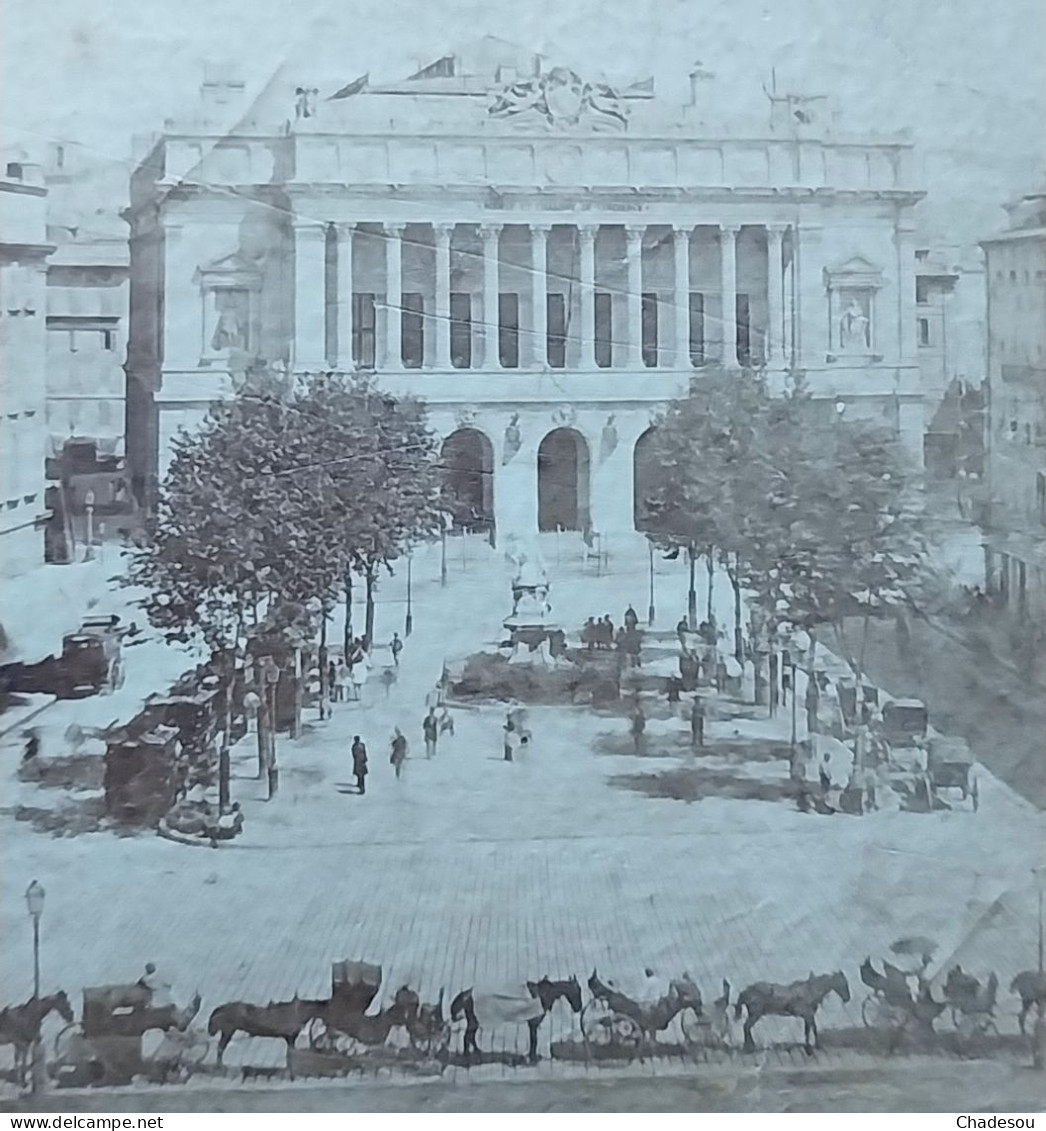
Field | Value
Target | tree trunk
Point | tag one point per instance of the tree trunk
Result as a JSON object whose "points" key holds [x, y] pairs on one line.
{"points": [[322, 653], [691, 598], [348, 612], [298, 679], [812, 692], [739, 640], [224, 768], [710, 566], [369, 629]]}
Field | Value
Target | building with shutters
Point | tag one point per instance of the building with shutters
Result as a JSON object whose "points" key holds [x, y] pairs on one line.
{"points": [[545, 258]]}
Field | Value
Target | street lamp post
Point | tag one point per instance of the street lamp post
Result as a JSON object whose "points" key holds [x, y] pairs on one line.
{"points": [[408, 625], [89, 504], [651, 611], [34, 900], [443, 556]]}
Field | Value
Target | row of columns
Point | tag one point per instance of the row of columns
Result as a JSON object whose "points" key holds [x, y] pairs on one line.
{"points": [[310, 268]]}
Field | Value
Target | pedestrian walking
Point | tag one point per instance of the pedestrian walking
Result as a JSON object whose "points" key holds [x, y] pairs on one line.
{"points": [[388, 678], [360, 672], [682, 628], [446, 722], [631, 619], [638, 727], [430, 729], [332, 680], [697, 723], [32, 744], [589, 633], [343, 682], [510, 741], [399, 752], [359, 763], [326, 710], [396, 647]]}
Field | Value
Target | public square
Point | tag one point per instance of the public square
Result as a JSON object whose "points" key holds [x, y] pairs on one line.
{"points": [[471, 871]]}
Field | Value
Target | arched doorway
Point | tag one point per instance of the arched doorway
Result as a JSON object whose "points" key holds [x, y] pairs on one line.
{"points": [[645, 478], [563, 481], [468, 469]]}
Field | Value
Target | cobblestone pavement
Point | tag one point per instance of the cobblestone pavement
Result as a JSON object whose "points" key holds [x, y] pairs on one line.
{"points": [[475, 872]]}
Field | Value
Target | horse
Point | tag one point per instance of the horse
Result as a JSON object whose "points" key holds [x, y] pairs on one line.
{"points": [[797, 999], [650, 1019], [546, 992], [20, 1026], [282, 1019], [1031, 985], [344, 1018], [968, 999]]}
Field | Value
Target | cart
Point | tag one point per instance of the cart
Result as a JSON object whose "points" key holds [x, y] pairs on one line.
{"points": [[905, 725], [105, 1048], [949, 766]]}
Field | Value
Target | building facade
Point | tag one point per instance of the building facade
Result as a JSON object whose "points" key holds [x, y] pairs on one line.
{"points": [[87, 301], [24, 250], [1015, 539], [545, 260]]}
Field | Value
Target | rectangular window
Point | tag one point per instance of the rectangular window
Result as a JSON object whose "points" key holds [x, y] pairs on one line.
{"points": [[604, 329], [364, 324], [650, 330], [1040, 495], [109, 340], [922, 291], [924, 331], [461, 330], [697, 328], [412, 330], [557, 330], [744, 331], [508, 330]]}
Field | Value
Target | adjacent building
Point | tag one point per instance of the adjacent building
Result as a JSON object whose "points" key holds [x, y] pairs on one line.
{"points": [[545, 257], [24, 251], [1015, 537]]}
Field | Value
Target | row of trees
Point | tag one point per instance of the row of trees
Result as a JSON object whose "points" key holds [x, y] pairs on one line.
{"points": [[812, 515], [268, 511]]}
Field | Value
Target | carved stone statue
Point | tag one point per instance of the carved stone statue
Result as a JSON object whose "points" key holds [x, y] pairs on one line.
{"points": [[608, 439], [513, 439], [853, 327], [230, 332]]}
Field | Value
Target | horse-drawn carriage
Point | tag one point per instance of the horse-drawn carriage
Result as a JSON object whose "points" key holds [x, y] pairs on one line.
{"points": [[105, 1047], [905, 723], [348, 1026], [614, 1024]]}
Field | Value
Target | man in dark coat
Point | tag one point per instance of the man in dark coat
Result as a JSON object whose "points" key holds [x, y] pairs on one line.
{"points": [[631, 619], [697, 723], [359, 763]]}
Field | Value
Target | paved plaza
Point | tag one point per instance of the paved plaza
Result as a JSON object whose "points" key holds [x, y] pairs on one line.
{"points": [[476, 872]]}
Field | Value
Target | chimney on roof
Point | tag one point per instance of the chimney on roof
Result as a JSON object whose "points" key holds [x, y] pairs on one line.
{"points": [[222, 87]]}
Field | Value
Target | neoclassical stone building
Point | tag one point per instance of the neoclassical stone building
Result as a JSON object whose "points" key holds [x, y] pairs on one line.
{"points": [[546, 260]]}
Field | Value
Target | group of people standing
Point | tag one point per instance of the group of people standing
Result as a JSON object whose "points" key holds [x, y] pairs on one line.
{"points": [[601, 635], [345, 678]]}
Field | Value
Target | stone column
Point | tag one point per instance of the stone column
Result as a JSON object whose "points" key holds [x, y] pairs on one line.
{"points": [[587, 233], [634, 259], [443, 233], [775, 315], [539, 291], [393, 296], [681, 240], [811, 303], [491, 245], [346, 362], [728, 290], [309, 295]]}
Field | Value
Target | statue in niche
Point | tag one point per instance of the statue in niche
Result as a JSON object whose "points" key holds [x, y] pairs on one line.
{"points": [[853, 327], [230, 331], [608, 439], [513, 439]]}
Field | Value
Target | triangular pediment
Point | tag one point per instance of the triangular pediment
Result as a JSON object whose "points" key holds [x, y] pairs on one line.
{"points": [[229, 270], [855, 271]]}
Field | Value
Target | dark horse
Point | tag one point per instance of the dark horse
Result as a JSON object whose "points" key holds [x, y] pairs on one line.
{"points": [[547, 992], [1031, 985], [282, 1019], [20, 1026], [797, 999]]}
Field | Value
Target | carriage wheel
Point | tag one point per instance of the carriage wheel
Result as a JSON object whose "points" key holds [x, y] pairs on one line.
{"points": [[67, 1042], [975, 795], [321, 1037], [603, 1029], [871, 1011]]}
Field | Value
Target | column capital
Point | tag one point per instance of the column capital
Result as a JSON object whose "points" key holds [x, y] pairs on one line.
{"points": [[587, 232], [309, 227], [444, 229], [393, 227], [542, 229], [490, 231], [682, 231], [346, 227], [634, 232], [729, 231]]}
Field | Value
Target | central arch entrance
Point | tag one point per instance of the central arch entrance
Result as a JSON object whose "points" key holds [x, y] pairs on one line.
{"points": [[468, 470], [563, 481], [646, 477]]}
